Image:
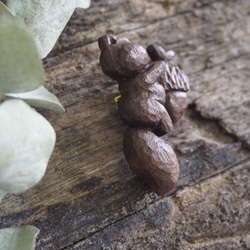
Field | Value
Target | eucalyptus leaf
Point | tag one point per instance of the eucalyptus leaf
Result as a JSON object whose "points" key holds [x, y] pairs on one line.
{"points": [[27, 141], [20, 67], [23, 238], [39, 97], [46, 19], [2, 194]]}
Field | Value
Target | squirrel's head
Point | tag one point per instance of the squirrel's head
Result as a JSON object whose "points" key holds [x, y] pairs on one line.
{"points": [[121, 58]]}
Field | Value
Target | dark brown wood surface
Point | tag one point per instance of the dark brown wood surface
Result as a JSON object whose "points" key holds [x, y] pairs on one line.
{"points": [[89, 198]]}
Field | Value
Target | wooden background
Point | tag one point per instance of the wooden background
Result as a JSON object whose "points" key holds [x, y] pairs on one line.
{"points": [[89, 198]]}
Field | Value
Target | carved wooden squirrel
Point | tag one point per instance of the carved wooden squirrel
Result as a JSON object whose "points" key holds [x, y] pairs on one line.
{"points": [[153, 98]]}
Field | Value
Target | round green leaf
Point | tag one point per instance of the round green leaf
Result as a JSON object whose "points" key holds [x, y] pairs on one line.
{"points": [[20, 67], [46, 19], [2, 194], [39, 97], [23, 238], [27, 141]]}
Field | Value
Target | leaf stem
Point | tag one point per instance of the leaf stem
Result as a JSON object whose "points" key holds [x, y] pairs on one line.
{"points": [[2, 97]]}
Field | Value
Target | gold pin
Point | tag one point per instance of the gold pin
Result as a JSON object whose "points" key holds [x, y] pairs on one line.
{"points": [[117, 99]]}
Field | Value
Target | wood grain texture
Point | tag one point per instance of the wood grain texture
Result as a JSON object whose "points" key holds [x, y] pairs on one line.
{"points": [[89, 199]]}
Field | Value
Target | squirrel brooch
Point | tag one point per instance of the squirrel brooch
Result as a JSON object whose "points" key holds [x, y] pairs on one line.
{"points": [[153, 98]]}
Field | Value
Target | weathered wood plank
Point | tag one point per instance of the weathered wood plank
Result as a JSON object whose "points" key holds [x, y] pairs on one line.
{"points": [[211, 215], [89, 198]]}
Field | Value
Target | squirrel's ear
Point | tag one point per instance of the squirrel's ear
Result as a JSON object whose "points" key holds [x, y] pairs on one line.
{"points": [[105, 41]]}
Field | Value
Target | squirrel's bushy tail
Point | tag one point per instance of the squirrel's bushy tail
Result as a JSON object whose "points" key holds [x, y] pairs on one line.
{"points": [[152, 159]]}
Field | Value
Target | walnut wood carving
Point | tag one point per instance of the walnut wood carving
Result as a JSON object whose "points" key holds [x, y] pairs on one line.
{"points": [[153, 98]]}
